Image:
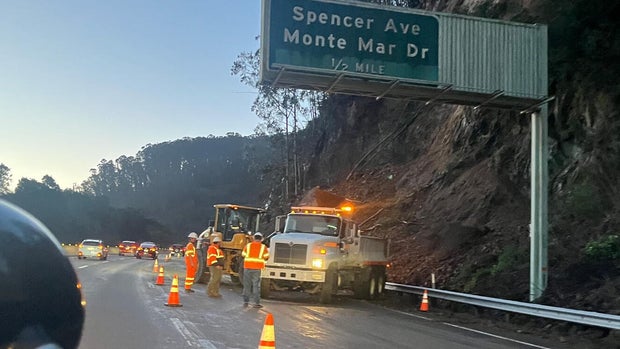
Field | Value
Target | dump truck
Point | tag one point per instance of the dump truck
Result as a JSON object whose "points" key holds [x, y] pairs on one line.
{"points": [[321, 251], [234, 225]]}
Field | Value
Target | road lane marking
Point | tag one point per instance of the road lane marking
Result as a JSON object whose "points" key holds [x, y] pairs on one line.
{"points": [[187, 335], [412, 315], [190, 337], [84, 266], [496, 336], [471, 330]]}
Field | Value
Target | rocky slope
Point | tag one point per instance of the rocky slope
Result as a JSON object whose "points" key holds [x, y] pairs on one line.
{"points": [[450, 186]]}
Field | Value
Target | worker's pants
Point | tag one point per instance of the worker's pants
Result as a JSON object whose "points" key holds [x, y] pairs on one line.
{"points": [[251, 285], [189, 274], [213, 288]]}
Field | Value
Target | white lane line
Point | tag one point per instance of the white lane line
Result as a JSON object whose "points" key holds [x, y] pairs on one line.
{"points": [[82, 267], [190, 337], [412, 315], [472, 330], [496, 336]]}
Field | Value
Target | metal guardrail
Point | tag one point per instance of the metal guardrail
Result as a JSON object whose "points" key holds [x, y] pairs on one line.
{"points": [[563, 314]]}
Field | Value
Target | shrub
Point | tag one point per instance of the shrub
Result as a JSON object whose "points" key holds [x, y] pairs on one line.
{"points": [[508, 259], [606, 248]]}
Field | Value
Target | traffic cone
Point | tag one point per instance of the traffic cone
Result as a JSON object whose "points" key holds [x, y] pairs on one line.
{"points": [[160, 277], [268, 336], [155, 267], [424, 305], [173, 298], [168, 258]]}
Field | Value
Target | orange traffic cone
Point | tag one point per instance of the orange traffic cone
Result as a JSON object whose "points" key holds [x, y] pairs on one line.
{"points": [[173, 298], [268, 336], [424, 305], [155, 267], [160, 277]]}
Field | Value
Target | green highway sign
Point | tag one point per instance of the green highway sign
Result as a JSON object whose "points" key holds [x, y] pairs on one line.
{"points": [[349, 37]]}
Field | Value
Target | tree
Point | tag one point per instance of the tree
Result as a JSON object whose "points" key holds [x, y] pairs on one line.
{"points": [[282, 111], [50, 182], [5, 179]]}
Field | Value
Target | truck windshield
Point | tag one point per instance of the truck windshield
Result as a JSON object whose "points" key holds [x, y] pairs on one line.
{"points": [[314, 224]]}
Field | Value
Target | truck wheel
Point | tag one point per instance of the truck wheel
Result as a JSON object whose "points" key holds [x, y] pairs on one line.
{"points": [[372, 286], [265, 288], [380, 282], [360, 285], [329, 287]]}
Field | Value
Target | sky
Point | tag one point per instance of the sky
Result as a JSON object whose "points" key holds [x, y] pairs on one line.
{"points": [[86, 80]]}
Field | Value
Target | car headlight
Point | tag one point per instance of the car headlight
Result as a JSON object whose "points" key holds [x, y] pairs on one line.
{"points": [[317, 263]]}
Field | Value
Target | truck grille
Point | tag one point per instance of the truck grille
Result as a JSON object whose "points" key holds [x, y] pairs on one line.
{"points": [[295, 254]]}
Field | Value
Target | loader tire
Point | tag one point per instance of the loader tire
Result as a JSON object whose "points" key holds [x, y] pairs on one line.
{"points": [[238, 279], [202, 275]]}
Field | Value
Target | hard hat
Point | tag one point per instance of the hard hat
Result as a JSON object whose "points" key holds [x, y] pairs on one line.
{"points": [[217, 239], [193, 235], [40, 297], [258, 234]]}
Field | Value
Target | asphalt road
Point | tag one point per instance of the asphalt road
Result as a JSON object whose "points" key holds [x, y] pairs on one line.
{"points": [[125, 309]]}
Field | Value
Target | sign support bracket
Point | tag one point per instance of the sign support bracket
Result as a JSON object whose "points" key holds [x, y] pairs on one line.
{"points": [[443, 90], [495, 95], [392, 85], [334, 83]]}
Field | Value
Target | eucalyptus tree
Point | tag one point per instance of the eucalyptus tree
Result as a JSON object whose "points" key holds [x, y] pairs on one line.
{"points": [[5, 179], [283, 111]]}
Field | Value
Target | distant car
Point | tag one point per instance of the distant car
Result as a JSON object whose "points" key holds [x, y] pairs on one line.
{"points": [[127, 247], [147, 249], [177, 249], [92, 248]]}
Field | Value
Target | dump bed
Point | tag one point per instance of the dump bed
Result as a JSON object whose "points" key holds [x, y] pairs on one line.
{"points": [[373, 250]]}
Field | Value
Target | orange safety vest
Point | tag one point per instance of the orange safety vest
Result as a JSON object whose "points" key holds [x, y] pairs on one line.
{"points": [[255, 253], [190, 253], [213, 254]]}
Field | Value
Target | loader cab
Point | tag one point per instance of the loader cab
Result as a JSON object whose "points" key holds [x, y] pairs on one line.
{"points": [[231, 220]]}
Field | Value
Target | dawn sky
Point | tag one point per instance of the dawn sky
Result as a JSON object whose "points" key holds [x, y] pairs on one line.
{"points": [[85, 80]]}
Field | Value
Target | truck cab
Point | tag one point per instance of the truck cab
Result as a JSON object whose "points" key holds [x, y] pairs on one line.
{"points": [[321, 251]]}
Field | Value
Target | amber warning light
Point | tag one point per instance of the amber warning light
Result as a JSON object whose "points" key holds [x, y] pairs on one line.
{"points": [[348, 209]]}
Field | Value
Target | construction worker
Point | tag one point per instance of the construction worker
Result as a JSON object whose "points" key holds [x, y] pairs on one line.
{"points": [[215, 262], [191, 262], [255, 254]]}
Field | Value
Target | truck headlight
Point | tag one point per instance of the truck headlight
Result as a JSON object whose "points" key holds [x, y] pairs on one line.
{"points": [[317, 263]]}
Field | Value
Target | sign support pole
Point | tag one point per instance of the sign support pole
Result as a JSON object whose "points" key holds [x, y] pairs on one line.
{"points": [[538, 207]]}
